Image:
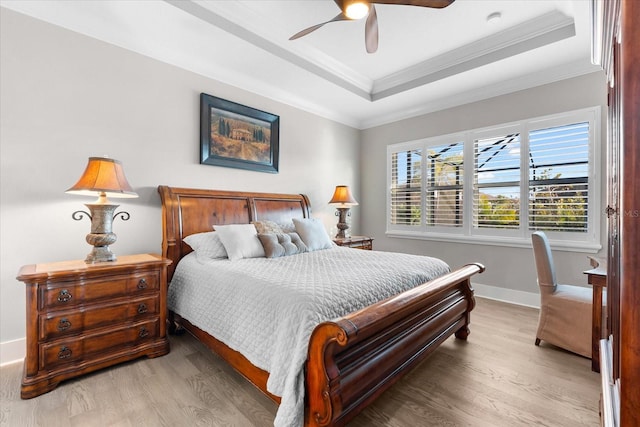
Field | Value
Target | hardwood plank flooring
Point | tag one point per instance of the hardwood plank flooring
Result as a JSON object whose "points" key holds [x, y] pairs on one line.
{"points": [[497, 378]]}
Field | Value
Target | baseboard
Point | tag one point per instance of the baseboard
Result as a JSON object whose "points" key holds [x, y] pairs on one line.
{"points": [[12, 351], [528, 299]]}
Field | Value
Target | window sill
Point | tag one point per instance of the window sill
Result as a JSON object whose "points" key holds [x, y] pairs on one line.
{"points": [[515, 242]]}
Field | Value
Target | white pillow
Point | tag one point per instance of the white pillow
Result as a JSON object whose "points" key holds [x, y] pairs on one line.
{"points": [[313, 233], [206, 245], [240, 241]]}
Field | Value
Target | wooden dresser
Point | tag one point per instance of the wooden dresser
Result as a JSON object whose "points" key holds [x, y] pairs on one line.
{"points": [[83, 317], [358, 242]]}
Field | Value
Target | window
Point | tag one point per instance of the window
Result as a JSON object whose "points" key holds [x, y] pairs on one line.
{"points": [[559, 178], [537, 174], [444, 185], [406, 176], [496, 184]]}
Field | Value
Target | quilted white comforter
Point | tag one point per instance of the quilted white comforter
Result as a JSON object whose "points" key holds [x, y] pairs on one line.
{"points": [[266, 308]]}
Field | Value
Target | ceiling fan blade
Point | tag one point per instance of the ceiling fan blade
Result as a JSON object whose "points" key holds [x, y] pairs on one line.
{"points": [[437, 4], [340, 17], [371, 31]]}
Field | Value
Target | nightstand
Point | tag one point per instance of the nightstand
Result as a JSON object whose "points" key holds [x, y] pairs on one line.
{"points": [[83, 317], [357, 242]]}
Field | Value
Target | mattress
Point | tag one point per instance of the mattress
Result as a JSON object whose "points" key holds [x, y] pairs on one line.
{"points": [[266, 308]]}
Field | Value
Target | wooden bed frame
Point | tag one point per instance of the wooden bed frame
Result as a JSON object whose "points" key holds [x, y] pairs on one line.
{"points": [[353, 359]]}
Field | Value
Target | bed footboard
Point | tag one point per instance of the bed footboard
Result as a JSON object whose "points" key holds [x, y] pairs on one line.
{"points": [[352, 360]]}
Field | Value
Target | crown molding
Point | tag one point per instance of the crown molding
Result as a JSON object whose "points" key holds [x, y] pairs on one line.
{"points": [[213, 18], [251, 18], [545, 29], [540, 31], [558, 73]]}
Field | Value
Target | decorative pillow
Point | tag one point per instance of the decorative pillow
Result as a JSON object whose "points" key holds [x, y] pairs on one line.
{"points": [[264, 227], [313, 234], [240, 241], [288, 227], [296, 240], [277, 245], [206, 245]]}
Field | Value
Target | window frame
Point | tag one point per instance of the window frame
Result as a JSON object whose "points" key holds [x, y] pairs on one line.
{"points": [[588, 241]]}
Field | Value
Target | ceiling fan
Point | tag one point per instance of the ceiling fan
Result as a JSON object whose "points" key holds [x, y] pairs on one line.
{"points": [[357, 9]]}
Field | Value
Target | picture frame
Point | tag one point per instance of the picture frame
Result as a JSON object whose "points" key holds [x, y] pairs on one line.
{"points": [[236, 136]]}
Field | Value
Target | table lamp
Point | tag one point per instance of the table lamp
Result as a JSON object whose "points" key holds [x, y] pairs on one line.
{"points": [[103, 177], [343, 198]]}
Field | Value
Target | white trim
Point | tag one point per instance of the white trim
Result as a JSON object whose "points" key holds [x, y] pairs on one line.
{"points": [[229, 13], [13, 351], [241, 21], [549, 28], [555, 74], [478, 239], [527, 299]]}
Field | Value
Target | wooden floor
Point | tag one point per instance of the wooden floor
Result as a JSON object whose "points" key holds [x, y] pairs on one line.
{"points": [[497, 378]]}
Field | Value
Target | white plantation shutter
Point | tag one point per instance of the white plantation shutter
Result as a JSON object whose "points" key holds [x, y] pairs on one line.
{"points": [[444, 189], [558, 178], [406, 187], [496, 190], [496, 185]]}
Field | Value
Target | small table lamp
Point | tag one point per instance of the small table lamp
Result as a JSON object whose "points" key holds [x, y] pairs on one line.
{"points": [[343, 198], [103, 177]]}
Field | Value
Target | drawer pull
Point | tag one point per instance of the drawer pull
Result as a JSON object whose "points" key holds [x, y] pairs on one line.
{"points": [[64, 353], [142, 308], [64, 324], [144, 332], [142, 284], [64, 295]]}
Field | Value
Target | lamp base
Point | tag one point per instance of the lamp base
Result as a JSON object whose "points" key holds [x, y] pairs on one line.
{"points": [[342, 225], [100, 254], [101, 236]]}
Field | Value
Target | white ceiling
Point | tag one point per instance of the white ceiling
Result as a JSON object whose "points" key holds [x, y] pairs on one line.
{"points": [[427, 60]]}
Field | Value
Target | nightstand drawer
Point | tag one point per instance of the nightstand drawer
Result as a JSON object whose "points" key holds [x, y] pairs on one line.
{"points": [[367, 244], [65, 351], [69, 294], [63, 323], [356, 242]]}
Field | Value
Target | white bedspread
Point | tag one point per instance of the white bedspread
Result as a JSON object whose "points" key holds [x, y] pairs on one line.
{"points": [[267, 308]]}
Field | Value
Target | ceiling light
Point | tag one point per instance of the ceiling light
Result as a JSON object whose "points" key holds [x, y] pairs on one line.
{"points": [[356, 10], [494, 17]]}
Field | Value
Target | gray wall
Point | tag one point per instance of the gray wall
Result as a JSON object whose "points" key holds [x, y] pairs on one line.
{"points": [[507, 267], [66, 97]]}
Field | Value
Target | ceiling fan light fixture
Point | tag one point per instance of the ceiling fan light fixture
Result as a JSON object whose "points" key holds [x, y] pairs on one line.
{"points": [[351, 10], [356, 9]]}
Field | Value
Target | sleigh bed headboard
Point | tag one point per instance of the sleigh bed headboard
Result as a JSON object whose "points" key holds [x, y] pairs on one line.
{"points": [[187, 211]]}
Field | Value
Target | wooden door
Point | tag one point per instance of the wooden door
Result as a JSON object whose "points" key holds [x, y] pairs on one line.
{"points": [[621, 61]]}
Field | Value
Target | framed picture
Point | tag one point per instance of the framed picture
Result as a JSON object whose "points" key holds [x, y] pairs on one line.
{"points": [[237, 136]]}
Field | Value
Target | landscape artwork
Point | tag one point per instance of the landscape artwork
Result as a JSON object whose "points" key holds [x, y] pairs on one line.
{"points": [[237, 136]]}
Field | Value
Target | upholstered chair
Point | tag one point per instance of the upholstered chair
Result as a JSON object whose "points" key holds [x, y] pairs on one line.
{"points": [[565, 310]]}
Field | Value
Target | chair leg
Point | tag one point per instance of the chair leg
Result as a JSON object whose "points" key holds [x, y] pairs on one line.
{"points": [[537, 341]]}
